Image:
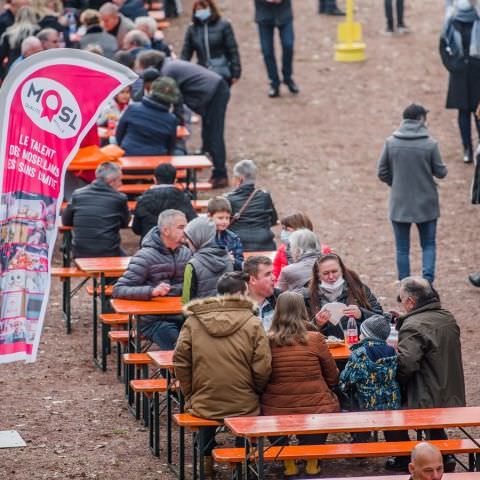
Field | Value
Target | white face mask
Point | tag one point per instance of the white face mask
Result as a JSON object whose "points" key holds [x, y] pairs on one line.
{"points": [[331, 287], [463, 4]]}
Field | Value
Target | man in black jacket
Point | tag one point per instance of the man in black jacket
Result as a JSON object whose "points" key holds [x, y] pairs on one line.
{"points": [[268, 15], [97, 212], [162, 196], [157, 270]]}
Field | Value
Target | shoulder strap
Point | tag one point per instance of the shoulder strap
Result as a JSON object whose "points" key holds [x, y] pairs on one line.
{"points": [[237, 216], [207, 43]]}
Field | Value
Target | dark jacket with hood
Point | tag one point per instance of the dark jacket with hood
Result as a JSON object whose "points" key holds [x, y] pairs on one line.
{"points": [[154, 201], [254, 225], [409, 162], [97, 212], [151, 265], [147, 128], [221, 41], [222, 358], [273, 13], [430, 364]]}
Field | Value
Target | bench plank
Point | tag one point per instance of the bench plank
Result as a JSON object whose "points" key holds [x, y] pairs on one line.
{"points": [[190, 421]]}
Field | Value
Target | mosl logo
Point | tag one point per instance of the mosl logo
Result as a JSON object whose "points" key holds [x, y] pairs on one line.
{"points": [[52, 107]]}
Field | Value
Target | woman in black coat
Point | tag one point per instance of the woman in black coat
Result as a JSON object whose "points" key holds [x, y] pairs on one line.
{"points": [[460, 52], [212, 39]]}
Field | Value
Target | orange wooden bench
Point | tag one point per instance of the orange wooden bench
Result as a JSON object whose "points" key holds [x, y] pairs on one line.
{"points": [[65, 274], [135, 367], [113, 319], [139, 188]]}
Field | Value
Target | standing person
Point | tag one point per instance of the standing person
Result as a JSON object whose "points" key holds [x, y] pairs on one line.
{"points": [[206, 93], [222, 358], [401, 28], [208, 263], [211, 38], [156, 270], [331, 282], [409, 163], [253, 211], [303, 373], [97, 212], [271, 14], [329, 7], [460, 53], [430, 367]]}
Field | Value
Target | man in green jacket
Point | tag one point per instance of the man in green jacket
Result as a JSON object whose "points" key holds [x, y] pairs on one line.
{"points": [[430, 368]]}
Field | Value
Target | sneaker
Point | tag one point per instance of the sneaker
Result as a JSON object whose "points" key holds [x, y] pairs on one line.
{"points": [[388, 32], [467, 155], [292, 86], [403, 30], [274, 91]]}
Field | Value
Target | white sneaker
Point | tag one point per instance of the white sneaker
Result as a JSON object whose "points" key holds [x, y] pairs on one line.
{"points": [[403, 30]]}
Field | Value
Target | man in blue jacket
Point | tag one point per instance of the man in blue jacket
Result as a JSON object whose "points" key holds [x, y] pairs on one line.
{"points": [[271, 14]]}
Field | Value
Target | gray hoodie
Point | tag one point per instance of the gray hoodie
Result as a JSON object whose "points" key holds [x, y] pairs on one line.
{"points": [[409, 162]]}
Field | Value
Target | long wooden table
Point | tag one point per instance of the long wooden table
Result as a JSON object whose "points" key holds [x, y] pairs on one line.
{"points": [[256, 429]]}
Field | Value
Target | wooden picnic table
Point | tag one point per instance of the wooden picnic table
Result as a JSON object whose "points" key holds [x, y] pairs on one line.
{"points": [[258, 428], [103, 265]]}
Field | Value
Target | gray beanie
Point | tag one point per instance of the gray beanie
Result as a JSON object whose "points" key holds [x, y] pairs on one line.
{"points": [[200, 231], [376, 327]]}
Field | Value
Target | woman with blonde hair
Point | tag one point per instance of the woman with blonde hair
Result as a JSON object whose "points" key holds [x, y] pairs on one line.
{"points": [[11, 41], [303, 373]]}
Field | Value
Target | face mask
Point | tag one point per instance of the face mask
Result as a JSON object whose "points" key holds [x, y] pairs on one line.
{"points": [[331, 287], [203, 14], [463, 5], [284, 236]]}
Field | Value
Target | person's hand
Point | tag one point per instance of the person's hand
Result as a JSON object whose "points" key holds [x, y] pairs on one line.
{"points": [[477, 111], [323, 318], [353, 311], [394, 314], [161, 290], [234, 81]]}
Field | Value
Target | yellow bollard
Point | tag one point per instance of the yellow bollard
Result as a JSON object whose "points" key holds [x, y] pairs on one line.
{"points": [[349, 46]]}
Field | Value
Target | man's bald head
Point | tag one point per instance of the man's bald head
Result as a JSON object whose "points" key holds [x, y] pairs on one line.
{"points": [[426, 462]]}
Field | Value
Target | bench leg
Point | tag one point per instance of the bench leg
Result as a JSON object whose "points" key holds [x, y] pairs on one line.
{"points": [[156, 424], [105, 330], [119, 361], [94, 320]]}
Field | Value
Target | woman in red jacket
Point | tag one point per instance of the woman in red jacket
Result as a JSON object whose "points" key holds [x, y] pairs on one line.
{"points": [[303, 372]]}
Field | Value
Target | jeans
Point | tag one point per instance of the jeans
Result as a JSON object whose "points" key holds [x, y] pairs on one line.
{"points": [[287, 38], [389, 13], [427, 231], [162, 332], [465, 126], [213, 130]]}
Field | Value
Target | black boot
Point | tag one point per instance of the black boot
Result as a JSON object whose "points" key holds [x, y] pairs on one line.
{"points": [[468, 154]]}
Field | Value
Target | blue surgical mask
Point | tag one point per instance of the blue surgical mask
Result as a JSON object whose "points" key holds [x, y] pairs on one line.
{"points": [[284, 236], [203, 14]]}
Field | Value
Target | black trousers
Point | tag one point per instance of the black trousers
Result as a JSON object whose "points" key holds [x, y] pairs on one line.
{"points": [[213, 129], [389, 13]]}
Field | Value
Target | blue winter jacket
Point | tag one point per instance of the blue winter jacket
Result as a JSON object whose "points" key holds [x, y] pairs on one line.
{"points": [[231, 241], [147, 128], [370, 376]]}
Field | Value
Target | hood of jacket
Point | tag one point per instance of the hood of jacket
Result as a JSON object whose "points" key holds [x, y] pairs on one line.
{"points": [[411, 130], [381, 365], [223, 315], [212, 257]]}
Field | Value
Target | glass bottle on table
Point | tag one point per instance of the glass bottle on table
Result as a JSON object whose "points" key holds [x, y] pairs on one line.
{"points": [[352, 331]]}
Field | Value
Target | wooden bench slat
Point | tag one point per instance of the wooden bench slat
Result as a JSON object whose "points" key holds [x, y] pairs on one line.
{"points": [[344, 450], [136, 359], [68, 272], [149, 385], [113, 318], [190, 421], [118, 336]]}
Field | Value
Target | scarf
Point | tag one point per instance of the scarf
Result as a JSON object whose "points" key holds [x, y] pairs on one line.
{"points": [[453, 37], [332, 292]]}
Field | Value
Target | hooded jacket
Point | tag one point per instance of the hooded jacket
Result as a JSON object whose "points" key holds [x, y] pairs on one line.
{"points": [[152, 264], [430, 358], [222, 358], [370, 376], [409, 162], [302, 376]]}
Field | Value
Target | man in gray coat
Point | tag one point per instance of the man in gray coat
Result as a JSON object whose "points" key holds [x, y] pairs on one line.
{"points": [[409, 162], [157, 270], [430, 367]]}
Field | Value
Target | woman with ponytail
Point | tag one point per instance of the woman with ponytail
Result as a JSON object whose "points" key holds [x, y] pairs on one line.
{"points": [[331, 282]]}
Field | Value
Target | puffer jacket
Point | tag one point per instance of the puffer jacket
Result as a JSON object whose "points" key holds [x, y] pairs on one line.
{"points": [[97, 212], [370, 376], [430, 358], [151, 265], [254, 225], [222, 358], [221, 41], [301, 379], [154, 201]]}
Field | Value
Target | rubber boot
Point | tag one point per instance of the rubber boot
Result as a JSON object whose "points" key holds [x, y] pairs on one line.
{"points": [[290, 468], [312, 467]]}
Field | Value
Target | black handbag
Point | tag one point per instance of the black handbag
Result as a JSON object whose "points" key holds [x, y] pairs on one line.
{"points": [[219, 65]]}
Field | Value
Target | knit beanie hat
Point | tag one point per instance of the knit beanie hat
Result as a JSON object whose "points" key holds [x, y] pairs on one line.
{"points": [[200, 231], [164, 89], [376, 327]]}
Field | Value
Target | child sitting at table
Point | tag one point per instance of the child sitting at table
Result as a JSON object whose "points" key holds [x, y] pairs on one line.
{"points": [[369, 377], [208, 263], [220, 211]]}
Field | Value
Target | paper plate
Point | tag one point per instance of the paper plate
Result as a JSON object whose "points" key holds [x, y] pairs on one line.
{"points": [[336, 309]]}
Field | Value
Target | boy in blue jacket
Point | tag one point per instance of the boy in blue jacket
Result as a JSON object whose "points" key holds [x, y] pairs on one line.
{"points": [[220, 211]]}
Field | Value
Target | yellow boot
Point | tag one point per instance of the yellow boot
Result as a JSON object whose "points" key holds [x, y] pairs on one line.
{"points": [[312, 467], [290, 468]]}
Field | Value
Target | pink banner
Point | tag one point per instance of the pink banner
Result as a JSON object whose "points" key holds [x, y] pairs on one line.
{"points": [[48, 103]]}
